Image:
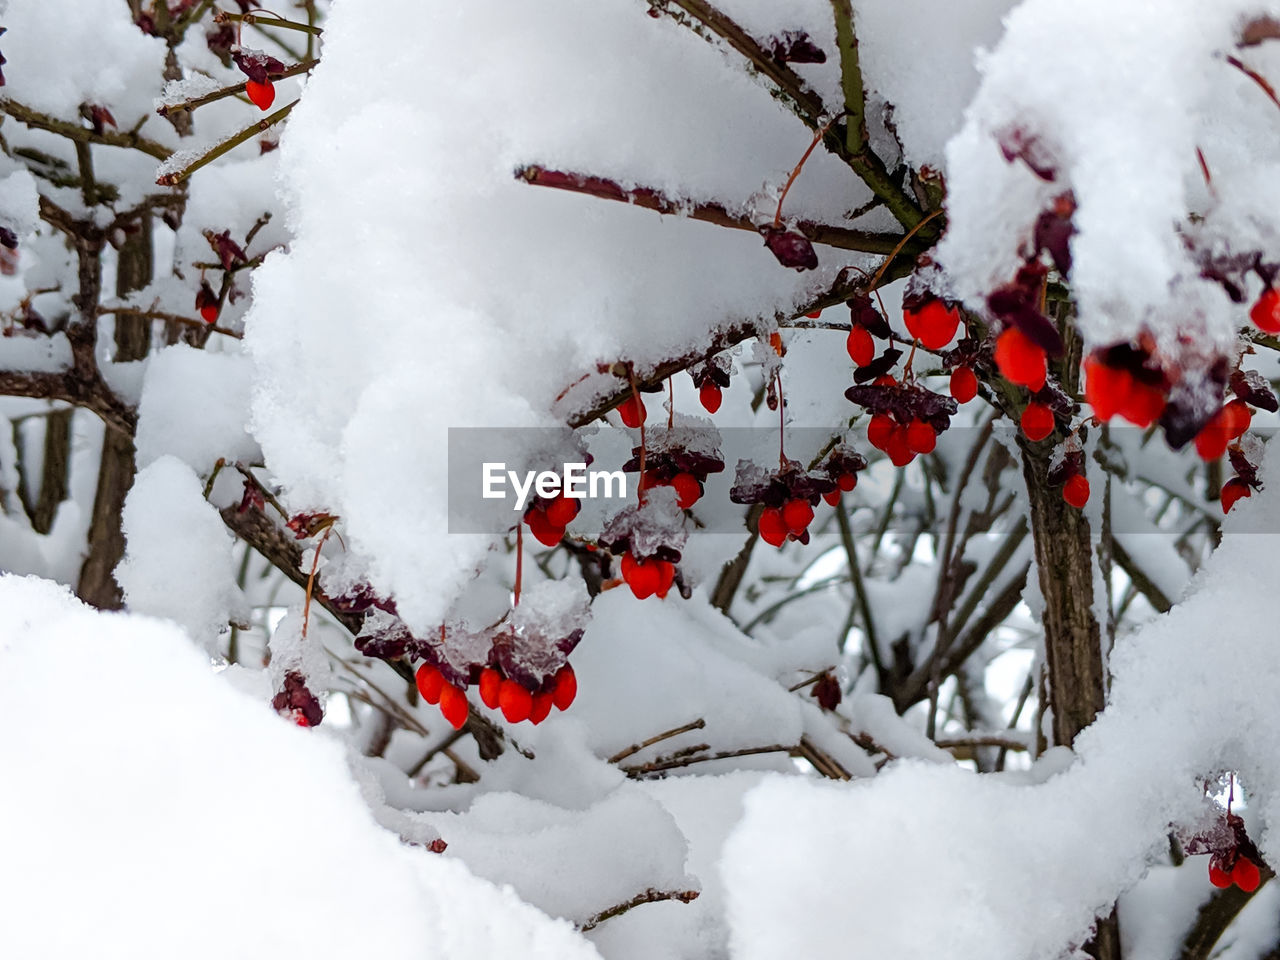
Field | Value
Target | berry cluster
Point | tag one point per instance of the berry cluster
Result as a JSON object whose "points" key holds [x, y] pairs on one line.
{"points": [[547, 517], [905, 418], [516, 701], [788, 496]]}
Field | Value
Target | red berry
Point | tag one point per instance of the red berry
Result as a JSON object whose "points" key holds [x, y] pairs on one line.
{"points": [[209, 312], [1037, 421], [1217, 876], [775, 341], [921, 437], [490, 684], [566, 687], [709, 394], [1106, 389], [1233, 490], [847, 481], [687, 488], [933, 323], [1021, 359], [773, 529], [666, 577], [1236, 417], [642, 576], [797, 515], [262, 94], [430, 682], [885, 381], [814, 314], [515, 701], [541, 706], [1266, 312], [964, 384], [453, 705], [543, 530], [879, 430], [1212, 440], [862, 349], [561, 511], [832, 497], [1144, 405], [632, 411], [898, 449], [1246, 875], [1076, 491]]}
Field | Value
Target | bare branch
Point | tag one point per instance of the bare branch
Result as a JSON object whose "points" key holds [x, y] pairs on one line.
{"points": [[649, 896]]}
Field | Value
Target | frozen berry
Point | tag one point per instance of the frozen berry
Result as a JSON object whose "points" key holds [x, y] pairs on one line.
{"points": [[1233, 490], [490, 684], [773, 529], [430, 682], [1246, 875], [1217, 876], [1266, 312], [541, 706], [262, 94], [879, 430], [632, 411], [964, 384], [862, 349], [710, 396], [1076, 491], [797, 515], [933, 323], [515, 701], [921, 437], [566, 687], [1037, 421], [561, 511], [1021, 359], [687, 488], [453, 705]]}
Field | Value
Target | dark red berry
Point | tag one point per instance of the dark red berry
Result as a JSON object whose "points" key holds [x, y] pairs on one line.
{"points": [[543, 530], [1233, 490], [1076, 491], [1246, 875], [632, 411], [832, 497], [880, 430], [709, 394], [561, 511], [964, 384], [847, 481], [773, 529], [1266, 312], [797, 515], [862, 349], [1217, 876]]}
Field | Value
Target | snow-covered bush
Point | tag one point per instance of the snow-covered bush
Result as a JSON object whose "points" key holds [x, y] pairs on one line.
{"points": [[918, 349]]}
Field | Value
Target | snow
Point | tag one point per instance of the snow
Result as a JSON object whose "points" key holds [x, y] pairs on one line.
{"points": [[195, 794]]}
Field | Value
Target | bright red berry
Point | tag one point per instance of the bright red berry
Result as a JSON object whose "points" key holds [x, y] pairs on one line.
{"points": [[490, 684], [814, 314], [1246, 875], [262, 94], [964, 384], [832, 497], [543, 530], [710, 396], [642, 576], [1233, 490], [687, 488], [898, 448], [1037, 421], [430, 682], [775, 341], [1266, 312], [1106, 389], [1212, 440], [921, 437], [541, 706], [1144, 405], [847, 481], [514, 701], [797, 515], [666, 577], [209, 313], [1021, 359], [1076, 491], [632, 411], [862, 349], [561, 511], [1217, 876], [879, 430], [773, 529], [933, 323], [453, 705], [1236, 417], [566, 687]]}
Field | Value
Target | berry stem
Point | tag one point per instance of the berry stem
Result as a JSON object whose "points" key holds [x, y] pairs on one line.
{"points": [[515, 601], [817, 139], [190, 104], [271, 20], [172, 179], [875, 280], [671, 403], [782, 421], [311, 579], [635, 396]]}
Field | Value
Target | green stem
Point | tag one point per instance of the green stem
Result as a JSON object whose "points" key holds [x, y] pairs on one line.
{"points": [[266, 20], [855, 107], [226, 146], [190, 104], [73, 131]]}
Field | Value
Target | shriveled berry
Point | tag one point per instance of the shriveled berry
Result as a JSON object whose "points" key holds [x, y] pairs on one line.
{"points": [[566, 688], [543, 530], [1217, 876], [262, 94], [632, 411], [1076, 491], [1246, 875], [1266, 312], [514, 701], [879, 430], [688, 490], [561, 511], [1037, 421], [921, 437], [797, 515], [540, 709], [933, 323], [430, 682], [773, 529], [710, 396], [453, 705], [1021, 359], [490, 684], [964, 384], [862, 349], [1233, 490]]}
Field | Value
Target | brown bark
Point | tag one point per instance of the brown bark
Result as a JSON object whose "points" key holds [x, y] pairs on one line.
{"points": [[42, 505]]}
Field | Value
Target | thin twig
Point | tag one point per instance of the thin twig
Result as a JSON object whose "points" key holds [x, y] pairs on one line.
{"points": [[665, 735], [225, 146], [649, 896]]}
